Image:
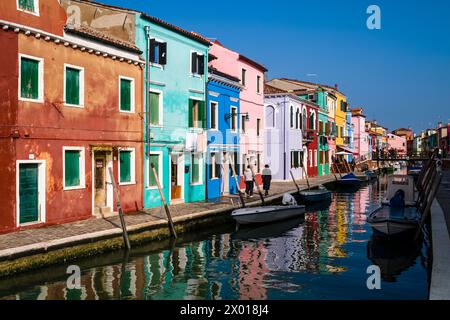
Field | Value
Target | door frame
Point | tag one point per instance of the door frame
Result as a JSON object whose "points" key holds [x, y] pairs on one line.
{"points": [[180, 173], [41, 191], [108, 183]]}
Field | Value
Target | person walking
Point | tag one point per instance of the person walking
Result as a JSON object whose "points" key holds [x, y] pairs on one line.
{"points": [[267, 178], [248, 175]]}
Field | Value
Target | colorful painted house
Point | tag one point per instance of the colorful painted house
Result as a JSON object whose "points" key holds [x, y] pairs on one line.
{"points": [[72, 114], [251, 75], [361, 137], [175, 119], [409, 136], [223, 123], [284, 121], [397, 145]]}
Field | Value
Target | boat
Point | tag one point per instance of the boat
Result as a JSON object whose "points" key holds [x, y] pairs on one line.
{"points": [[267, 214], [318, 195], [404, 183], [263, 231], [362, 176], [371, 174], [392, 221], [349, 180]]}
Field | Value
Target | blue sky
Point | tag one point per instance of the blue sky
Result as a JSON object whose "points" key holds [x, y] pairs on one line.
{"points": [[400, 74]]}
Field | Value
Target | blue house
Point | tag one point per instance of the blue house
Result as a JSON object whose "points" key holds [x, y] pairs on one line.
{"points": [[223, 123]]}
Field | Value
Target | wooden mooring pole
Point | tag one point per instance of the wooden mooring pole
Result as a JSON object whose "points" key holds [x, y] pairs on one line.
{"points": [[241, 196], [126, 240], [257, 186], [166, 207], [293, 179]]}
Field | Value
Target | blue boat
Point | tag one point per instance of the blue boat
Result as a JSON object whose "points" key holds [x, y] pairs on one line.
{"points": [[318, 195], [349, 180]]}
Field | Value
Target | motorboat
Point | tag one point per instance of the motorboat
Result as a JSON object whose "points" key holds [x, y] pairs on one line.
{"points": [[317, 195], [272, 230], [349, 180], [404, 183], [392, 220], [267, 214]]}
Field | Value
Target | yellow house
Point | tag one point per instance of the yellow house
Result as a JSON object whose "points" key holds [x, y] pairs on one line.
{"points": [[341, 121]]}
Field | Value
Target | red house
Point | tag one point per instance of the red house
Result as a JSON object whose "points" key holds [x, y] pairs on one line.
{"points": [[310, 138], [71, 109]]}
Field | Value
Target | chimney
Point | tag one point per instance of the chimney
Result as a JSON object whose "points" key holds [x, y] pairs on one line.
{"points": [[439, 124]]}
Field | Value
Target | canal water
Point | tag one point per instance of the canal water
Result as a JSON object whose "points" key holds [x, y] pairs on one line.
{"points": [[323, 256]]}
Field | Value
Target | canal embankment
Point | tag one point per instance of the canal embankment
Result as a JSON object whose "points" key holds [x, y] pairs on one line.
{"points": [[41, 247], [440, 224]]}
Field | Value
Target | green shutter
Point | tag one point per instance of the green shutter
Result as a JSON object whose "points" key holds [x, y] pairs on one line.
{"points": [[72, 168], [191, 107], [202, 114], [125, 166], [154, 158], [195, 169], [29, 79], [72, 86], [154, 108], [27, 5], [125, 95]]}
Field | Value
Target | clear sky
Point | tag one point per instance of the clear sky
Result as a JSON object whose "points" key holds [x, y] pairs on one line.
{"points": [[400, 74]]}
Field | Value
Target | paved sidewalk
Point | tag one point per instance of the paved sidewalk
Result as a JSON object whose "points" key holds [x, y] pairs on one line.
{"points": [[93, 227]]}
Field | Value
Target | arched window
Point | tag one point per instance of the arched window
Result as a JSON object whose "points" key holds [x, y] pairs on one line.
{"points": [[270, 117], [304, 123], [292, 117], [297, 118], [312, 121]]}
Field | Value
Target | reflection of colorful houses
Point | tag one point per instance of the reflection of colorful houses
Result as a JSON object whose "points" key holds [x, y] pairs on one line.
{"points": [[252, 271]]}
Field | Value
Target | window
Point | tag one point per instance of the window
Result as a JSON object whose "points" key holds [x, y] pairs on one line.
{"points": [[73, 168], [235, 159], [258, 162], [73, 86], [270, 117], [243, 77], [156, 160], [213, 115], [243, 120], [310, 158], [158, 52], [127, 166], [312, 121], [196, 168], [258, 127], [31, 78], [197, 117], [197, 63], [304, 121], [342, 132], [295, 159], [244, 162], [214, 166], [258, 84], [292, 117], [297, 119], [320, 127], [315, 158], [233, 119], [156, 101], [31, 6], [126, 94]]}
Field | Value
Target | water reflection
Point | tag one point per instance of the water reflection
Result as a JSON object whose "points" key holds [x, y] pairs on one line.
{"points": [[324, 256]]}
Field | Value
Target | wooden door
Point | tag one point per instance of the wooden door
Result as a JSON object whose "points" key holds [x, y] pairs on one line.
{"points": [[28, 192]]}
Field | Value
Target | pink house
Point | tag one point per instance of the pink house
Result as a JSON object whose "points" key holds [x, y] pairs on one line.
{"points": [[397, 143], [360, 135], [251, 117]]}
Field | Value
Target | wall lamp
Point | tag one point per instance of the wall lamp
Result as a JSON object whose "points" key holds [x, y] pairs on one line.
{"points": [[230, 115]]}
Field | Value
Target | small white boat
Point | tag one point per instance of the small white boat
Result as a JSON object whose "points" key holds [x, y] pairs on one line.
{"points": [[269, 213], [390, 221]]}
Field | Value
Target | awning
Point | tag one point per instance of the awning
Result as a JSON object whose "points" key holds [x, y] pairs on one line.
{"points": [[343, 153], [346, 150]]}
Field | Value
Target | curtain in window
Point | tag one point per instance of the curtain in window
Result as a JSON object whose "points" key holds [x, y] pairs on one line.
{"points": [[154, 108], [125, 166], [27, 5], [29, 79], [72, 168], [125, 95], [72, 86]]}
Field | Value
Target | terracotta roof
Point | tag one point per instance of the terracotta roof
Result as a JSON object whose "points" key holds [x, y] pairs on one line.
{"points": [[268, 89], [102, 37], [188, 34], [252, 62], [312, 84], [271, 90]]}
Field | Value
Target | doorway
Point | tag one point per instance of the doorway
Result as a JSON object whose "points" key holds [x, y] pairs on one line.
{"points": [[176, 177], [30, 192], [102, 186], [226, 173]]}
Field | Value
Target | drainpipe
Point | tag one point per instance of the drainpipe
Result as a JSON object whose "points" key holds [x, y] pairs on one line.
{"points": [[284, 137], [147, 113]]}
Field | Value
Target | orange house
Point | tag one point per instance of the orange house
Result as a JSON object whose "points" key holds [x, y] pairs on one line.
{"points": [[71, 109]]}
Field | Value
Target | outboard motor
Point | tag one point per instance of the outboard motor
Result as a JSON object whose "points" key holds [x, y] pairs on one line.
{"points": [[398, 200], [289, 200]]}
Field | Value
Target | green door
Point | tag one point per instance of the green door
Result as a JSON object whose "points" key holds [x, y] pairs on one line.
{"points": [[28, 192]]}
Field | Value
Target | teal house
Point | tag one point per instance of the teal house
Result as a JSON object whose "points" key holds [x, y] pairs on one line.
{"points": [[175, 115]]}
